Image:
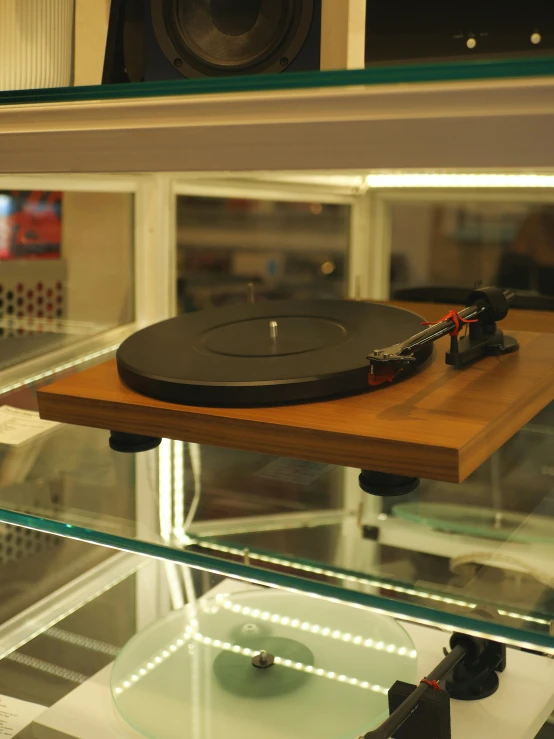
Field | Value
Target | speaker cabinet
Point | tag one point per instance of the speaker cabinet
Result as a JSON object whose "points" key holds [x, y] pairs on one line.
{"points": [[174, 39], [402, 30]]}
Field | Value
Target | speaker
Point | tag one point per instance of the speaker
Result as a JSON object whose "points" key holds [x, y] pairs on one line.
{"points": [[174, 39], [402, 30]]}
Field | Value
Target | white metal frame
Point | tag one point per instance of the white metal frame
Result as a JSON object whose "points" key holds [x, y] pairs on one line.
{"points": [[472, 125]]}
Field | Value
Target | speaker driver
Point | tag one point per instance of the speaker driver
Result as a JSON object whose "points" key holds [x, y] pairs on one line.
{"points": [[211, 38]]}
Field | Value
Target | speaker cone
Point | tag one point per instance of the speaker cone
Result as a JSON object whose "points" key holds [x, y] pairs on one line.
{"points": [[221, 37]]}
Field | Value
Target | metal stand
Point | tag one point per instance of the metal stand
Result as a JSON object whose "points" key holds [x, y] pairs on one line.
{"points": [[468, 672]]}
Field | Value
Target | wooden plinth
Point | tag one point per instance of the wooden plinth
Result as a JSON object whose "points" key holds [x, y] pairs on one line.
{"points": [[441, 423]]}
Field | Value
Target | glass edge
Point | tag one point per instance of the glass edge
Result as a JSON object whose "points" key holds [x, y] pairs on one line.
{"points": [[469, 70], [391, 607]]}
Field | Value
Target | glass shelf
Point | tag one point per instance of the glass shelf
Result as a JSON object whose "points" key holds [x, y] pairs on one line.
{"points": [[307, 526], [470, 70]]}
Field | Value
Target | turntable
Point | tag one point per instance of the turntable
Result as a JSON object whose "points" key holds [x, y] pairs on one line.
{"points": [[348, 383]]}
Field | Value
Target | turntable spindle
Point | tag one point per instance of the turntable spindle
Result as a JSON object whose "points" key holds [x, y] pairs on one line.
{"points": [[273, 330], [263, 659]]}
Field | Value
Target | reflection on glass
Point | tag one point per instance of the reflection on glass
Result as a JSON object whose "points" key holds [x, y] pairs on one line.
{"points": [[65, 269], [283, 250], [457, 244], [74, 633]]}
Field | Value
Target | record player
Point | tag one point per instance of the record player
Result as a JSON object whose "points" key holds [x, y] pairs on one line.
{"points": [[349, 383]]}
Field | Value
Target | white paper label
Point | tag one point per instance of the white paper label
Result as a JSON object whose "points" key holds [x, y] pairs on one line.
{"points": [[15, 715], [18, 426], [294, 471]]}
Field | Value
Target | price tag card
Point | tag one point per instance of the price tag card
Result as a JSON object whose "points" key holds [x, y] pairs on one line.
{"points": [[15, 715], [18, 426]]}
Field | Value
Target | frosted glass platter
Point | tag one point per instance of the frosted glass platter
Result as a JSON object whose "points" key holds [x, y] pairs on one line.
{"points": [[191, 674], [482, 522]]}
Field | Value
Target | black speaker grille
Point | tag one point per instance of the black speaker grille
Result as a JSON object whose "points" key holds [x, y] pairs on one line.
{"points": [[220, 37], [233, 34]]}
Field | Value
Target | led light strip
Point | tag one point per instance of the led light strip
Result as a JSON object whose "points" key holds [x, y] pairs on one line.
{"points": [[165, 489], [47, 667], [364, 581], [315, 628], [59, 368], [290, 664], [422, 180], [329, 573], [522, 617], [82, 641], [155, 662], [192, 633], [178, 448]]}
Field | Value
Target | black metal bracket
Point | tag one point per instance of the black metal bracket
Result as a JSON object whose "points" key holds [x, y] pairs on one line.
{"points": [[482, 340], [430, 719], [476, 676], [467, 672]]}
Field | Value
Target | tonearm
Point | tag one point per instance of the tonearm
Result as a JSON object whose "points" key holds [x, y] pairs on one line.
{"points": [[484, 307]]}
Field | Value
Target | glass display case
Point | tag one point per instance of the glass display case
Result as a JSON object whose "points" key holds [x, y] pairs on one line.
{"points": [[409, 184]]}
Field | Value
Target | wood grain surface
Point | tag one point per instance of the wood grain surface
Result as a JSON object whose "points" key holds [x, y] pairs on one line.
{"points": [[441, 423]]}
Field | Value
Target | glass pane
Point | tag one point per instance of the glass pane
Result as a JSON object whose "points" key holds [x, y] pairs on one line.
{"points": [[65, 269], [230, 246], [308, 526], [450, 245]]}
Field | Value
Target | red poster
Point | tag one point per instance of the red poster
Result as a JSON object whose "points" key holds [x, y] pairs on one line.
{"points": [[30, 224]]}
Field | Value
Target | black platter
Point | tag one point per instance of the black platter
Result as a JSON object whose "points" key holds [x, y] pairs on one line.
{"points": [[263, 353]]}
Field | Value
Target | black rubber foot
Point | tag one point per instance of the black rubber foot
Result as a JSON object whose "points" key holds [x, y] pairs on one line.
{"points": [[385, 485], [132, 443]]}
